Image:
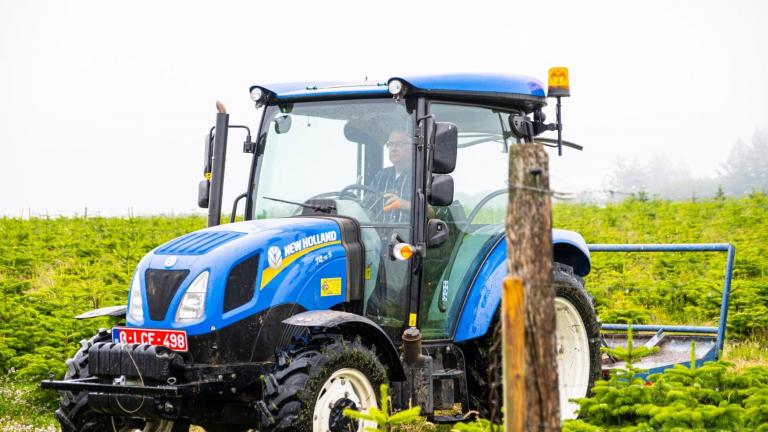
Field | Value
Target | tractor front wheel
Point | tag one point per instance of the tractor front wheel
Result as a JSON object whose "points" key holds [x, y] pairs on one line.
{"points": [[315, 380], [74, 414]]}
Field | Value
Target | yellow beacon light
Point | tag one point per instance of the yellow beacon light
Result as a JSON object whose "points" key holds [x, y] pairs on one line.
{"points": [[558, 82]]}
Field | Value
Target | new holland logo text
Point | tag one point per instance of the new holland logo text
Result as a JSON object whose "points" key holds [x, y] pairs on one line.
{"points": [[279, 257], [307, 242]]}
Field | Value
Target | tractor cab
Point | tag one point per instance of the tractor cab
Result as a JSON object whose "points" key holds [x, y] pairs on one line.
{"points": [[420, 164]]}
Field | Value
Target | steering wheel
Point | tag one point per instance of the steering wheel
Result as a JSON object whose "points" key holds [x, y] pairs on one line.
{"points": [[355, 186], [480, 205], [345, 192]]}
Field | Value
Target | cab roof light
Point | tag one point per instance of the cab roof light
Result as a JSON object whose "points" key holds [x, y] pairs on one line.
{"points": [[396, 88], [558, 82], [260, 96]]}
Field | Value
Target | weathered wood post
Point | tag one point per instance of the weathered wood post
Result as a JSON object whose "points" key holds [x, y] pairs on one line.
{"points": [[529, 252]]}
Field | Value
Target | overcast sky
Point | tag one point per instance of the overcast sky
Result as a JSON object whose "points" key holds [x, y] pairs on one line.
{"points": [[104, 104]]}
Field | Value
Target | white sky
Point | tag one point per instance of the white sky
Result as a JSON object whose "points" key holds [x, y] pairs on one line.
{"points": [[104, 105]]}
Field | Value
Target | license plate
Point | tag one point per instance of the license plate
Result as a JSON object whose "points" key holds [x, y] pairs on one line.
{"points": [[173, 339]]}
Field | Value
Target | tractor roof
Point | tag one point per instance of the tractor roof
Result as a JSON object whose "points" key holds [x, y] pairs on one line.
{"points": [[498, 88]]}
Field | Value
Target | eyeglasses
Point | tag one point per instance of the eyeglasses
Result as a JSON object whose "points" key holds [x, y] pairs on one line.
{"points": [[397, 144]]}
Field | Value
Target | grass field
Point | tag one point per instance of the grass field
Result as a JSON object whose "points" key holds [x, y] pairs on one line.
{"points": [[53, 269]]}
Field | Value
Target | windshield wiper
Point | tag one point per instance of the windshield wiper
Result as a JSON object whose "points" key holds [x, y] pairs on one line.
{"points": [[320, 208]]}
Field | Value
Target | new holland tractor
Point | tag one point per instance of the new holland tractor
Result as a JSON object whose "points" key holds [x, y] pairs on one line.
{"points": [[372, 251]]}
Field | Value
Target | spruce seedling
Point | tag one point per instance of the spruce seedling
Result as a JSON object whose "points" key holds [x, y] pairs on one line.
{"points": [[384, 417], [630, 355]]}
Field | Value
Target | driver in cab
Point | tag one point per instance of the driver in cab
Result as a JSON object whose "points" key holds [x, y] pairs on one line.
{"points": [[394, 182]]}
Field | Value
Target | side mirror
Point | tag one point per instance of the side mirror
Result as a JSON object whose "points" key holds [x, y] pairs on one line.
{"points": [[204, 187], [446, 144], [437, 232], [203, 193], [441, 191], [208, 153]]}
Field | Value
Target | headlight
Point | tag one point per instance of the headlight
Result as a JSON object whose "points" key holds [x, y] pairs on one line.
{"points": [[136, 305], [193, 303]]}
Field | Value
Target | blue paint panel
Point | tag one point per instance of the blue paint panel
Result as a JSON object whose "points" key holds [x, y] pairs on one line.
{"points": [[490, 84], [197, 243], [485, 292], [484, 295], [479, 83], [297, 282]]}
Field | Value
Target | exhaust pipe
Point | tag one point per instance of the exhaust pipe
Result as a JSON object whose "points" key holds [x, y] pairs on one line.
{"points": [[218, 163]]}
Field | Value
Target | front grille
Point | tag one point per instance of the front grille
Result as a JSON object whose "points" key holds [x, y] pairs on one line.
{"points": [[161, 287], [241, 283]]}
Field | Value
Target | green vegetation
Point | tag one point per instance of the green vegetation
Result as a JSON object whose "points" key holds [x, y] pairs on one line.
{"points": [[677, 288], [54, 269], [384, 418], [708, 398]]}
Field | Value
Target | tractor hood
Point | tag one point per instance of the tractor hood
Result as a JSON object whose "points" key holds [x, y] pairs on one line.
{"points": [[252, 267]]}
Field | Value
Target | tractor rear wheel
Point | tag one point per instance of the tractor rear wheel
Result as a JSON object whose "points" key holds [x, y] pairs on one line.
{"points": [[315, 380], [578, 345], [578, 339]]}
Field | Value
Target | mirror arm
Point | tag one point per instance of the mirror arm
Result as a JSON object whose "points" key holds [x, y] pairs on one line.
{"points": [[248, 146]]}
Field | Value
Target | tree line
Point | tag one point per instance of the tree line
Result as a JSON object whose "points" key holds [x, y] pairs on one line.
{"points": [[745, 171]]}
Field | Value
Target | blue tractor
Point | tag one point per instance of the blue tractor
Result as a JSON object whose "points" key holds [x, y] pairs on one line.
{"points": [[372, 251]]}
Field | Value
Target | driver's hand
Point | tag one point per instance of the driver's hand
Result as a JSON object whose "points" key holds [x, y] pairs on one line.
{"points": [[394, 202]]}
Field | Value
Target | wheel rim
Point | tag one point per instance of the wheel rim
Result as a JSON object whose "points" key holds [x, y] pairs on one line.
{"points": [[573, 366], [344, 387]]}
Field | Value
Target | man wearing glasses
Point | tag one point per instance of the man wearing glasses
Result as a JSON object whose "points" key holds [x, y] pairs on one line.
{"points": [[394, 182]]}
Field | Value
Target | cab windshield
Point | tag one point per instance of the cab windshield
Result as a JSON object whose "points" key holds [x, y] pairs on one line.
{"points": [[351, 154], [349, 158]]}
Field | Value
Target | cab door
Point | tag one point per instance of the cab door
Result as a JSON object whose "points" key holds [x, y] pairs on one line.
{"points": [[475, 218]]}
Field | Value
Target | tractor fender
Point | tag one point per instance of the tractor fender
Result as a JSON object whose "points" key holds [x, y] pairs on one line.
{"points": [[114, 311], [484, 294], [355, 325], [570, 249]]}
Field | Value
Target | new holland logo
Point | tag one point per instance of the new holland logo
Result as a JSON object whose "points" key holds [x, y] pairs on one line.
{"points": [[275, 257], [170, 261]]}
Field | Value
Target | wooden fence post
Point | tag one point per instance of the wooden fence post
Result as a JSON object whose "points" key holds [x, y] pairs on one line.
{"points": [[529, 252], [513, 347]]}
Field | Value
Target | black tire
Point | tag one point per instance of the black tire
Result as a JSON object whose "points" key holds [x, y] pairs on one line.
{"points": [[74, 414], [301, 372], [571, 287], [225, 428], [479, 355]]}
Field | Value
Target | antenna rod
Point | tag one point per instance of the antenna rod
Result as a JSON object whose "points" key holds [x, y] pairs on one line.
{"points": [[559, 129]]}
